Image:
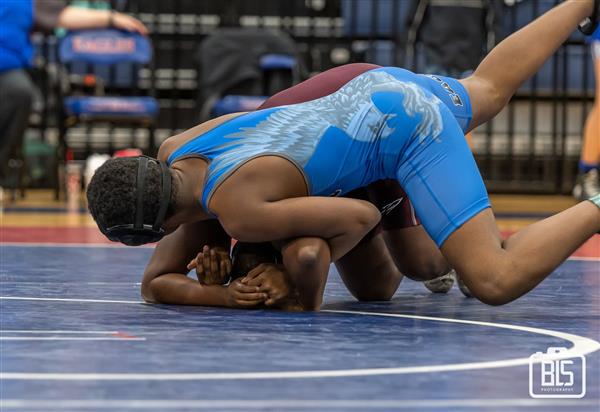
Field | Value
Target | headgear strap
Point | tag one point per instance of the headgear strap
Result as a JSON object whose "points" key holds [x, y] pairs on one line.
{"points": [[138, 233], [140, 183]]}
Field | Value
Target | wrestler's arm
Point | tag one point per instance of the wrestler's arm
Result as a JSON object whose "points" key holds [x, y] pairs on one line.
{"points": [[299, 283], [326, 229], [165, 278], [178, 289], [341, 222]]}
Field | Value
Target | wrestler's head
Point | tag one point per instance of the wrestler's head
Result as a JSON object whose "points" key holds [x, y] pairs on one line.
{"points": [[114, 201], [247, 256]]}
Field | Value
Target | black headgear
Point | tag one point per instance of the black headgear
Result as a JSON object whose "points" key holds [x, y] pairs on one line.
{"points": [[138, 233]]}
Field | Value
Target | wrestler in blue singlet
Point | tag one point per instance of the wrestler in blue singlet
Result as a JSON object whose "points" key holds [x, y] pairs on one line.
{"points": [[386, 123]]}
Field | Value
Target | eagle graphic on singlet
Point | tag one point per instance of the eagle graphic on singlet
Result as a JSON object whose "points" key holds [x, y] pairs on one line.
{"points": [[296, 130]]}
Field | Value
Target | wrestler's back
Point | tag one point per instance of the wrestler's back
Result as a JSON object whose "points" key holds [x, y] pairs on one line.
{"points": [[289, 181], [338, 143]]}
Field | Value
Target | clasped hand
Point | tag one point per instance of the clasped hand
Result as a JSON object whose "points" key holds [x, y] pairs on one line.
{"points": [[267, 284]]}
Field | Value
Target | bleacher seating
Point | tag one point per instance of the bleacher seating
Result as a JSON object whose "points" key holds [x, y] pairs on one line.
{"points": [[386, 20]]}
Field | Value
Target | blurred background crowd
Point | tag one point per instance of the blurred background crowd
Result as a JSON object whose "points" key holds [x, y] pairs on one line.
{"points": [[83, 80]]}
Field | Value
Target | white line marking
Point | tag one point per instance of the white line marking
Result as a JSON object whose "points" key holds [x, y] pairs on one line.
{"points": [[22, 283], [581, 346], [585, 258], [151, 246], [78, 332], [76, 245], [279, 404], [52, 338], [136, 302]]}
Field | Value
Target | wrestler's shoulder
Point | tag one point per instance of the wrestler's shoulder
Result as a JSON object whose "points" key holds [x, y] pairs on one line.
{"points": [[172, 143]]}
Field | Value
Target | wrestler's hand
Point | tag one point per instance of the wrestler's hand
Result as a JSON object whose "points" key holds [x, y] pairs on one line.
{"points": [[271, 279], [213, 265], [239, 295]]}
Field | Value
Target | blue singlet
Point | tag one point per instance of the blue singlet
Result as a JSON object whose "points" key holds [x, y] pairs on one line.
{"points": [[385, 123]]}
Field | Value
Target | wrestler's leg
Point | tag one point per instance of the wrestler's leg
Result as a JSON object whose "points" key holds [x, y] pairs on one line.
{"points": [[415, 254], [413, 251], [373, 270], [368, 270], [498, 271], [441, 178], [519, 57], [419, 259]]}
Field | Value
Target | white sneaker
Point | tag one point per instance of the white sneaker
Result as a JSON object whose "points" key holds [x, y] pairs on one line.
{"points": [[442, 284], [587, 185]]}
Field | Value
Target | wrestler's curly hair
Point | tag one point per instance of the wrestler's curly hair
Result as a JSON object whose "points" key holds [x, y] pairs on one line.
{"points": [[112, 193], [247, 256]]}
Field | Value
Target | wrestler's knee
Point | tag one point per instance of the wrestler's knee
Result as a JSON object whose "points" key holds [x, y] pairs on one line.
{"points": [[425, 267], [415, 253], [310, 254], [489, 286], [379, 287]]}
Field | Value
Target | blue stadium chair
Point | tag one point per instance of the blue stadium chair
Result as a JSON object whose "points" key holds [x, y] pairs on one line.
{"points": [[94, 54], [382, 21], [234, 103], [379, 18], [381, 52], [270, 65], [94, 61], [278, 73], [238, 68]]}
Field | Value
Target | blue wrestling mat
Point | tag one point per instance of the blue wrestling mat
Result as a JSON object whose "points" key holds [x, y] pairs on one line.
{"points": [[76, 337]]}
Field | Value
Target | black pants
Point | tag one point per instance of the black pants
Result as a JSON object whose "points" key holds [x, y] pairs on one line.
{"points": [[16, 95]]}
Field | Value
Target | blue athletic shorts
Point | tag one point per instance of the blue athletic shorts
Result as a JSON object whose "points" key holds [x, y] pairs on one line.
{"points": [[440, 175]]}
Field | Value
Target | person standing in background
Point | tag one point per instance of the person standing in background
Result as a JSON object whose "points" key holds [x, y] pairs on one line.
{"points": [[455, 34], [18, 18], [588, 180]]}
